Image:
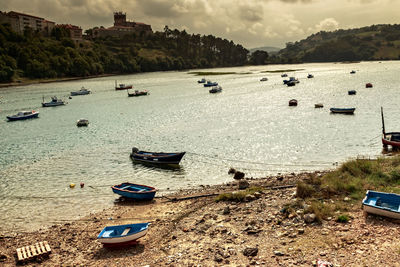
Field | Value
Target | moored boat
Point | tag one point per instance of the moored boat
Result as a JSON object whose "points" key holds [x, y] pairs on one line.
{"points": [[352, 72], [284, 75], [210, 84], [381, 203], [23, 115], [82, 91], [215, 89], [134, 191], [352, 92], [293, 102], [264, 79], [368, 85], [82, 122], [122, 235], [309, 76], [319, 105], [54, 102], [389, 139], [138, 93], [291, 80], [203, 80], [156, 157], [343, 110], [122, 86]]}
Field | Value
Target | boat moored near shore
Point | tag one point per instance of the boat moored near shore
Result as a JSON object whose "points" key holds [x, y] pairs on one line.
{"points": [[343, 110], [54, 102], [23, 115]]}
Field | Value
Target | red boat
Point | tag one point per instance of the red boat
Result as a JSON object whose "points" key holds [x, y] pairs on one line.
{"points": [[390, 139], [122, 86], [368, 85]]}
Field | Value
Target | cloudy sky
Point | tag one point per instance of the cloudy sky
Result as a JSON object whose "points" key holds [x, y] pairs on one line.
{"points": [[252, 23]]}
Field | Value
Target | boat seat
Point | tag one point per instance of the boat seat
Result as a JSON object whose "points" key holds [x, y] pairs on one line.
{"points": [[126, 231], [108, 233], [373, 200]]}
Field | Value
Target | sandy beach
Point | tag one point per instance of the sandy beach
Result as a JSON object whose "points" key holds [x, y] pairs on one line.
{"points": [[188, 230]]}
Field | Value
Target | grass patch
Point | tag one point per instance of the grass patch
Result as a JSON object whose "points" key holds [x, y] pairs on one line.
{"points": [[344, 218], [353, 178], [210, 73], [238, 196], [278, 71]]}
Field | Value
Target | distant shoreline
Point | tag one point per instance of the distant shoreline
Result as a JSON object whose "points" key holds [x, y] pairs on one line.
{"points": [[40, 81]]}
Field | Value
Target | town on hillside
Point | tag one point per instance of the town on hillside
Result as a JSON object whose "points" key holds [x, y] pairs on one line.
{"points": [[20, 21]]}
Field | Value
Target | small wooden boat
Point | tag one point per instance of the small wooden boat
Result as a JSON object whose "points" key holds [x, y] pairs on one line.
{"points": [[319, 105], [122, 235], [122, 86], [23, 115], [381, 203], [82, 122], [210, 84], [134, 191], [54, 102], [389, 139], [368, 85], [343, 110], [263, 79], [82, 91], [138, 93], [309, 76], [203, 80], [215, 89], [156, 157], [352, 92], [293, 102]]}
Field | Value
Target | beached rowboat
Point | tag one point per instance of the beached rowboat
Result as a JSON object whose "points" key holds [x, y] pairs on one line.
{"points": [[134, 191], [122, 235], [381, 203]]}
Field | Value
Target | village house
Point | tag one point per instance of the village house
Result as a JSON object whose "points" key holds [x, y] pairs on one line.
{"points": [[122, 27], [20, 21], [74, 31]]}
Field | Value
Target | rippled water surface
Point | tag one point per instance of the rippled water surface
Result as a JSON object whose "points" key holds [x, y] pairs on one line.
{"points": [[249, 126]]}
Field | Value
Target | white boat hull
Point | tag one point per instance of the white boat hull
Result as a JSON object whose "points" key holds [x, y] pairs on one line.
{"points": [[123, 239], [381, 212]]}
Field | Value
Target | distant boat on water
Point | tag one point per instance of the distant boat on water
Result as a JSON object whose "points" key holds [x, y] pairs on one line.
{"points": [[343, 110], [215, 89], [352, 92], [368, 85], [293, 102], [319, 105], [156, 157], [309, 76], [263, 79], [82, 122], [54, 102], [210, 84], [203, 80], [389, 139], [352, 72], [122, 86], [82, 91], [23, 115], [284, 75], [138, 93]]}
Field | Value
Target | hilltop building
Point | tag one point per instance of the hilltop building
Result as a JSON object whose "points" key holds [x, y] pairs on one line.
{"points": [[20, 21], [122, 27], [74, 31]]}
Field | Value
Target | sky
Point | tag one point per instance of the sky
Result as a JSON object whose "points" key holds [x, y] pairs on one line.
{"points": [[251, 23]]}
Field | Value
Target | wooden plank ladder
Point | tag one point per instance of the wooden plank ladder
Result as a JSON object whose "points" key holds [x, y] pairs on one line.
{"points": [[33, 251]]}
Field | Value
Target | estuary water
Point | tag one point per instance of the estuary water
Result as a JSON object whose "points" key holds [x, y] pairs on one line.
{"points": [[249, 126]]}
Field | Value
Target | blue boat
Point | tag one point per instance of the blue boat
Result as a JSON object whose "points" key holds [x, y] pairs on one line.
{"points": [[203, 80], [23, 115], [210, 84], [122, 235], [343, 110], [134, 191], [380, 203], [156, 157]]}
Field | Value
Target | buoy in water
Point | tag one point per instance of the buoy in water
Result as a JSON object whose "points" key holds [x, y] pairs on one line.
{"points": [[71, 185], [82, 185]]}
